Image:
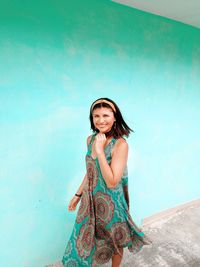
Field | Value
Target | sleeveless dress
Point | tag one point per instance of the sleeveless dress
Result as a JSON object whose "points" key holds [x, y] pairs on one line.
{"points": [[103, 223]]}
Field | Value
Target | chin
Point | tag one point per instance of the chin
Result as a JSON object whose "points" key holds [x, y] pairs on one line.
{"points": [[104, 131]]}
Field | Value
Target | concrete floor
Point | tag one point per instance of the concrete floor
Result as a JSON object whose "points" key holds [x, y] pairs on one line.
{"points": [[176, 241]]}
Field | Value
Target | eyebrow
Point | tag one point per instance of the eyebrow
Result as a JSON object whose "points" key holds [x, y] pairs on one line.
{"points": [[98, 114]]}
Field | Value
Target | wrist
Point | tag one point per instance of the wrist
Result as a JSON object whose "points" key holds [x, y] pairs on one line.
{"points": [[100, 153], [78, 195]]}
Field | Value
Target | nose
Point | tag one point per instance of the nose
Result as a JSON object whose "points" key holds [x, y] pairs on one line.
{"points": [[101, 119]]}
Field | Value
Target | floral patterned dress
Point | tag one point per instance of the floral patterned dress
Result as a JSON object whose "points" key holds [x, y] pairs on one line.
{"points": [[103, 223]]}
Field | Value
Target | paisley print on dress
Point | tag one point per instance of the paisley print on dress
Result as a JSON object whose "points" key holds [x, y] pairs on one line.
{"points": [[92, 173], [103, 224], [104, 207], [103, 253], [84, 208], [101, 233], [121, 233], [85, 240], [68, 249], [71, 263]]}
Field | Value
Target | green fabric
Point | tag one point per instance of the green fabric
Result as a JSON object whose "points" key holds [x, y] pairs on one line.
{"points": [[103, 223]]}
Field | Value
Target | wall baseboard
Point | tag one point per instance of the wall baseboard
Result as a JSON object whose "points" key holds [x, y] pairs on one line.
{"points": [[169, 212]]}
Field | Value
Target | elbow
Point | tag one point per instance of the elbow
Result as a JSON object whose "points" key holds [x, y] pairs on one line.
{"points": [[112, 182], [112, 185]]}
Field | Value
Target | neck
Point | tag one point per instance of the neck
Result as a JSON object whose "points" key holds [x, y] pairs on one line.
{"points": [[108, 134]]}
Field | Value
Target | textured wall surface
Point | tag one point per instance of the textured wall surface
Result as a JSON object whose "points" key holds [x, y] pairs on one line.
{"points": [[56, 57]]}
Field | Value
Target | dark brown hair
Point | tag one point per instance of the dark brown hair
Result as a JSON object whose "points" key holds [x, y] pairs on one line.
{"points": [[119, 128]]}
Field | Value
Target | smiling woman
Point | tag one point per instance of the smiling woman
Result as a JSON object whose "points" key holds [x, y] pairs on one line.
{"points": [[103, 119], [104, 225]]}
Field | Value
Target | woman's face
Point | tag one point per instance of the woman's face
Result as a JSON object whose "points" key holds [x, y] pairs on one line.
{"points": [[103, 119]]}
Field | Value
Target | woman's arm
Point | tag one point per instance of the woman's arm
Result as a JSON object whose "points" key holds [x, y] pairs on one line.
{"points": [[80, 190], [112, 173]]}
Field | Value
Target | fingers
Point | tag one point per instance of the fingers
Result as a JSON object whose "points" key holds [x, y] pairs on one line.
{"points": [[71, 208], [73, 203], [101, 136]]}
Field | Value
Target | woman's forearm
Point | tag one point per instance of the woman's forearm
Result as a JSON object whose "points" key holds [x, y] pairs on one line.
{"points": [[80, 190], [106, 171]]}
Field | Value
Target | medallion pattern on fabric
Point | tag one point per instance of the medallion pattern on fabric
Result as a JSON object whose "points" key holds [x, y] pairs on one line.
{"points": [[101, 232], [104, 207], [68, 249], [83, 210], [103, 253], [92, 173], [121, 233], [85, 240], [103, 223], [72, 263]]}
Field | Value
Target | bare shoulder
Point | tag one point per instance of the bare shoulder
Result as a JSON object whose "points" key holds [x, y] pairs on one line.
{"points": [[120, 145], [121, 142], [89, 139]]}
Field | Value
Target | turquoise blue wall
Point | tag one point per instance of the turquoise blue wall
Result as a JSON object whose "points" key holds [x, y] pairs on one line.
{"points": [[56, 57]]}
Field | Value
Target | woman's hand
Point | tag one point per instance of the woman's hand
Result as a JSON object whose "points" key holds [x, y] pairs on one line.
{"points": [[73, 203], [99, 144]]}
